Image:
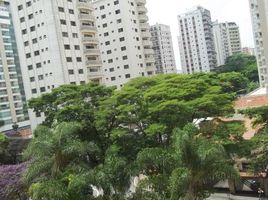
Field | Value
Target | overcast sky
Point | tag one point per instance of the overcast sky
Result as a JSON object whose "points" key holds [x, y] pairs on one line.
{"points": [[166, 11]]}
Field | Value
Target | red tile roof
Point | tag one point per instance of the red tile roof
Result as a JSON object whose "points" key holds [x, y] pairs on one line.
{"points": [[251, 102]]}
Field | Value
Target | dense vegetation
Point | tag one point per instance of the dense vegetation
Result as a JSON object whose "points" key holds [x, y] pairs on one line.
{"points": [[95, 139]]}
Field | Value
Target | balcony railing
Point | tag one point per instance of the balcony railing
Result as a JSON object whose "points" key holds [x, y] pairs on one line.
{"points": [[148, 51], [86, 5], [93, 62], [92, 51], [88, 28], [86, 17], [89, 40]]}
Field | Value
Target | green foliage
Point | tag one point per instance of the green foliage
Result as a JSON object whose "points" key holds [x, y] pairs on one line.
{"points": [[93, 135]]}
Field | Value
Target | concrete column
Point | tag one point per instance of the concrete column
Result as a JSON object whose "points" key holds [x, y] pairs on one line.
{"points": [[231, 184]]}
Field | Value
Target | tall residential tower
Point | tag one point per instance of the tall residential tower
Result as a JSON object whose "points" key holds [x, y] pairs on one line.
{"points": [[12, 96], [227, 40], [259, 15], [57, 42], [163, 48], [196, 41], [125, 40]]}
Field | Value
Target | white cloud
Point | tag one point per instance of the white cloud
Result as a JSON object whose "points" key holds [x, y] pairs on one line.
{"points": [[166, 11]]}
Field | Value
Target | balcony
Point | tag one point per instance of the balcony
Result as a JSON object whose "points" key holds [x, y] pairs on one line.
{"points": [[88, 28], [93, 63], [85, 5], [149, 60], [144, 26], [90, 40], [147, 43], [94, 73], [86, 17], [146, 34], [142, 9], [148, 51], [141, 2], [91, 51], [143, 18]]}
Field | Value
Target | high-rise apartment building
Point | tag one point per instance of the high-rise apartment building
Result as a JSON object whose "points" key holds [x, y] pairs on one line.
{"points": [[57, 41], [259, 15], [125, 40], [12, 96], [196, 41], [163, 49], [227, 40], [249, 51]]}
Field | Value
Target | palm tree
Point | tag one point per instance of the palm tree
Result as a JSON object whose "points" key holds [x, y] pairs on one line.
{"points": [[60, 166], [201, 165]]}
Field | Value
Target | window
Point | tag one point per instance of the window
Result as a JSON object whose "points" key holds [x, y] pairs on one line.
{"points": [[34, 40], [121, 39], [117, 11], [79, 59], [104, 25], [127, 75], [29, 3], [126, 66], [106, 34], [71, 71], [32, 79], [116, 2], [101, 7], [28, 55], [80, 71], [111, 69], [34, 91], [20, 7], [64, 34], [73, 23], [61, 9], [109, 52], [119, 21], [26, 43], [113, 78], [24, 31], [123, 48], [32, 28], [62, 21], [103, 16], [69, 59], [30, 16], [36, 53], [30, 67], [75, 35], [124, 57], [40, 77], [38, 65], [22, 19], [107, 43], [76, 47], [67, 46], [71, 11], [120, 30], [42, 89], [110, 60]]}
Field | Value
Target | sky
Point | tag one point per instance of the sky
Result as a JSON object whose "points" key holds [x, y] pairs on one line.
{"points": [[166, 11]]}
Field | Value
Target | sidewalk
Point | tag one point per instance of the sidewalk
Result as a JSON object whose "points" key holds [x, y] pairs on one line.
{"points": [[232, 197]]}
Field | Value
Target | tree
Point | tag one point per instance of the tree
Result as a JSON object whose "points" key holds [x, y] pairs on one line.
{"points": [[201, 165], [11, 184], [61, 166]]}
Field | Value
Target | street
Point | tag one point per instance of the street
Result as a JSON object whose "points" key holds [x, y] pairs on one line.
{"points": [[231, 197]]}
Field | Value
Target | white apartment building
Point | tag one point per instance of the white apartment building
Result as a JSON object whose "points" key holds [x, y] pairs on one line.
{"points": [[249, 51], [227, 40], [57, 43], [163, 49], [12, 97], [196, 41], [259, 16], [125, 40]]}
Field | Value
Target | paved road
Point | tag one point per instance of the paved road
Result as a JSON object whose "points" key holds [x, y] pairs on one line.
{"points": [[232, 197]]}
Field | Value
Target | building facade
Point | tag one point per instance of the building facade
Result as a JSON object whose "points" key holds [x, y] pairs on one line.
{"points": [[58, 45], [196, 41], [249, 51], [125, 40], [12, 96], [227, 40], [163, 49], [259, 16]]}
